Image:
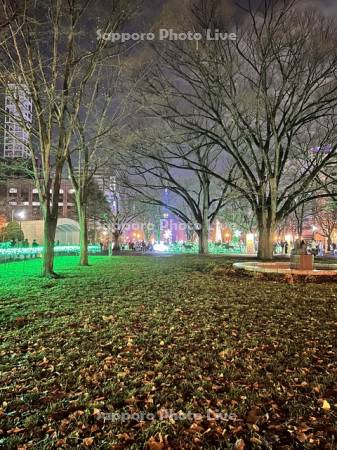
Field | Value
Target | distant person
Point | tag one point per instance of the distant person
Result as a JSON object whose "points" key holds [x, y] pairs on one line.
{"points": [[286, 247], [297, 250], [34, 243], [25, 243], [101, 245], [313, 247], [303, 248]]}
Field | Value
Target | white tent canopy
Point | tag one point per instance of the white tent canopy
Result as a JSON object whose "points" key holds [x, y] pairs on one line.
{"points": [[67, 231]]}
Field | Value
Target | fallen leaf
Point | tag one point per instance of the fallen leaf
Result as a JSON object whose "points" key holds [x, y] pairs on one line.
{"points": [[153, 444], [15, 430], [239, 444], [108, 318], [87, 442], [255, 441], [326, 405], [253, 415]]}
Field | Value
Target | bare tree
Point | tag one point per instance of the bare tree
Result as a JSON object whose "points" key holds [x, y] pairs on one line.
{"points": [[297, 220], [98, 133], [121, 209], [157, 164], [325, 216], [88, 153], [48, 59], [239, 214], [5, 21], [267, 99]]}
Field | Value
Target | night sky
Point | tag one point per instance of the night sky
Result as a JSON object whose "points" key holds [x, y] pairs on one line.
{"points": [[168, 11], [152, 8]]}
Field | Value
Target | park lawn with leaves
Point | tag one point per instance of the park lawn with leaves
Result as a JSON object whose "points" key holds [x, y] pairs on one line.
{"points": [[152, 336]]}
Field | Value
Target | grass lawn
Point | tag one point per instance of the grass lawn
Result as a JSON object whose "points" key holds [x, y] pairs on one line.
{"points": [[253, 360]]}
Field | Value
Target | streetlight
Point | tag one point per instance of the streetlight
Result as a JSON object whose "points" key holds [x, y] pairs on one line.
{"points": [[20, 215]]}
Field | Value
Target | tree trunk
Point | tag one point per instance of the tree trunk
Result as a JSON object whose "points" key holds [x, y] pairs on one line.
{"points": [[203, 239], [266, 226], [203, 232], [329, 242], [266, 219], [82, 214], [116, 246], [266, 243], [48, 246]]}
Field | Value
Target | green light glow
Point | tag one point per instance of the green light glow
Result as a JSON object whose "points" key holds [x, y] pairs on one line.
{"points": [[35, 252], [213, 248]]}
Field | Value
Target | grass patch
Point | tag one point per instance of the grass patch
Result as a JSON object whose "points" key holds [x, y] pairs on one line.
{"points": [[254, 360]]}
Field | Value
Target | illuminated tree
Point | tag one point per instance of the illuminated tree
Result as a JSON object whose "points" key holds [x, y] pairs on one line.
{"points": [[325, 216], [3, 222], [13, 231], [124, 212]]}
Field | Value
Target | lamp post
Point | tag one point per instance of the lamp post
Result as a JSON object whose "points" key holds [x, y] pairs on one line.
{"points": [[21, 216]]}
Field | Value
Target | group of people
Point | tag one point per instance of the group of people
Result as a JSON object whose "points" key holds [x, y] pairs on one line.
{"points": [[23, 244], [140, 246], [313, 247], [333, 248], [281, 247], [137, 246]]}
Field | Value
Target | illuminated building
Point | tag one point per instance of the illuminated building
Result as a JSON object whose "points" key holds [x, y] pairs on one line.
{"points": [[18, 117], [21, 195]]}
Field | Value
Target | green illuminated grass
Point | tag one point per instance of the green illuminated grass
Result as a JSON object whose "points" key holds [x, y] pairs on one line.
{"points": [[181, 333]]}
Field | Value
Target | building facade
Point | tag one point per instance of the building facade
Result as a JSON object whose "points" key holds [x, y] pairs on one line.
{"points": [[19, 198]]}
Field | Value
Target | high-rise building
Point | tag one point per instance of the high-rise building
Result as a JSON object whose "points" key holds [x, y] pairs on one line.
{"points": [[18, 111]]}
